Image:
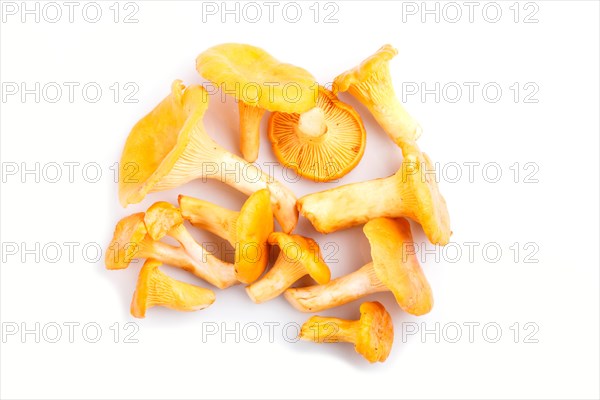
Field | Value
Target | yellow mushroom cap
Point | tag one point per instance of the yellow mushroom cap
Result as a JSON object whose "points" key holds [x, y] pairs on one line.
{"points": [[376, 332], [322, 144], [129, 232], [430, 210], [157, 140], [255, 77], [253, 227], [396, 265], [160, 218], [369, 66], [154, 288], [304, 250]]}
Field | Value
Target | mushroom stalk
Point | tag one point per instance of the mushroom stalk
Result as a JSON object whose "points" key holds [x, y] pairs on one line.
{"points": [[148, 248], [312, 126], [204, 159], [166, 254], [356, 203], [281, 276], [337, 292], [250, 117], [330, 330], [211, 217], [206, 265]]}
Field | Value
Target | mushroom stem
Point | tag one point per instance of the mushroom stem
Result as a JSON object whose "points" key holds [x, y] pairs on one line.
{"points": [[281, 276], [312, 126], [165, 253], [356, 203], [337, 292], [250, 117], [204, 159], [206, 265], [211, 217], [253, 179], [329, 330]]}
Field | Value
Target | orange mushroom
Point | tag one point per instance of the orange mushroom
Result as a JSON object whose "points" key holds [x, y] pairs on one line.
{"points": [[371, 83], [169, 147], [259, 82], [299, 256], [322, 144], [154, 288], [163, 218], [131, 241], [412, 192], [247, 230], [394, 268], [372, 335]]}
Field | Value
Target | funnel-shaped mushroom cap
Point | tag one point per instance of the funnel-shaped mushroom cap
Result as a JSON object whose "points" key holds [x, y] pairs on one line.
{"points": [[253, 227], [322, 144], [160, 218], [154, 288], [395, 263], [430, 208], [376, 332], [158, 140], [371, 83], [372, 65], [306, 251], [129, 233], [253, 76]]}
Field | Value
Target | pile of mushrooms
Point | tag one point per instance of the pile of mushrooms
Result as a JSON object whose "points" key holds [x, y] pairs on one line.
{"points": [[321, 138]]}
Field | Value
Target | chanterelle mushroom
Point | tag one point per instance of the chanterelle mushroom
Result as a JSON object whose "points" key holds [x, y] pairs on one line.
{"points": [[299, 256], [163, 218], [412, 192], [131, 241], [394, 268], [322, 144], [154, 288], [371, 83], [169, 147], [372, 335], [246, 230], [259, 82]]}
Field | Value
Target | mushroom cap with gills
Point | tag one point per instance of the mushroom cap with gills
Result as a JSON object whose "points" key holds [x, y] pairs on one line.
{"points": [[170, 147], [306, 251], [258, 79], [129, 232], [155, 288], [396, 265], [376, 332], [253, 227], [156, 142], [160, 218], [322, 144], [369, 66], [430, 210]]}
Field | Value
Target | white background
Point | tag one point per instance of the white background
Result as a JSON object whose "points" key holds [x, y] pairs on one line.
{"points": [[559, 214]]}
